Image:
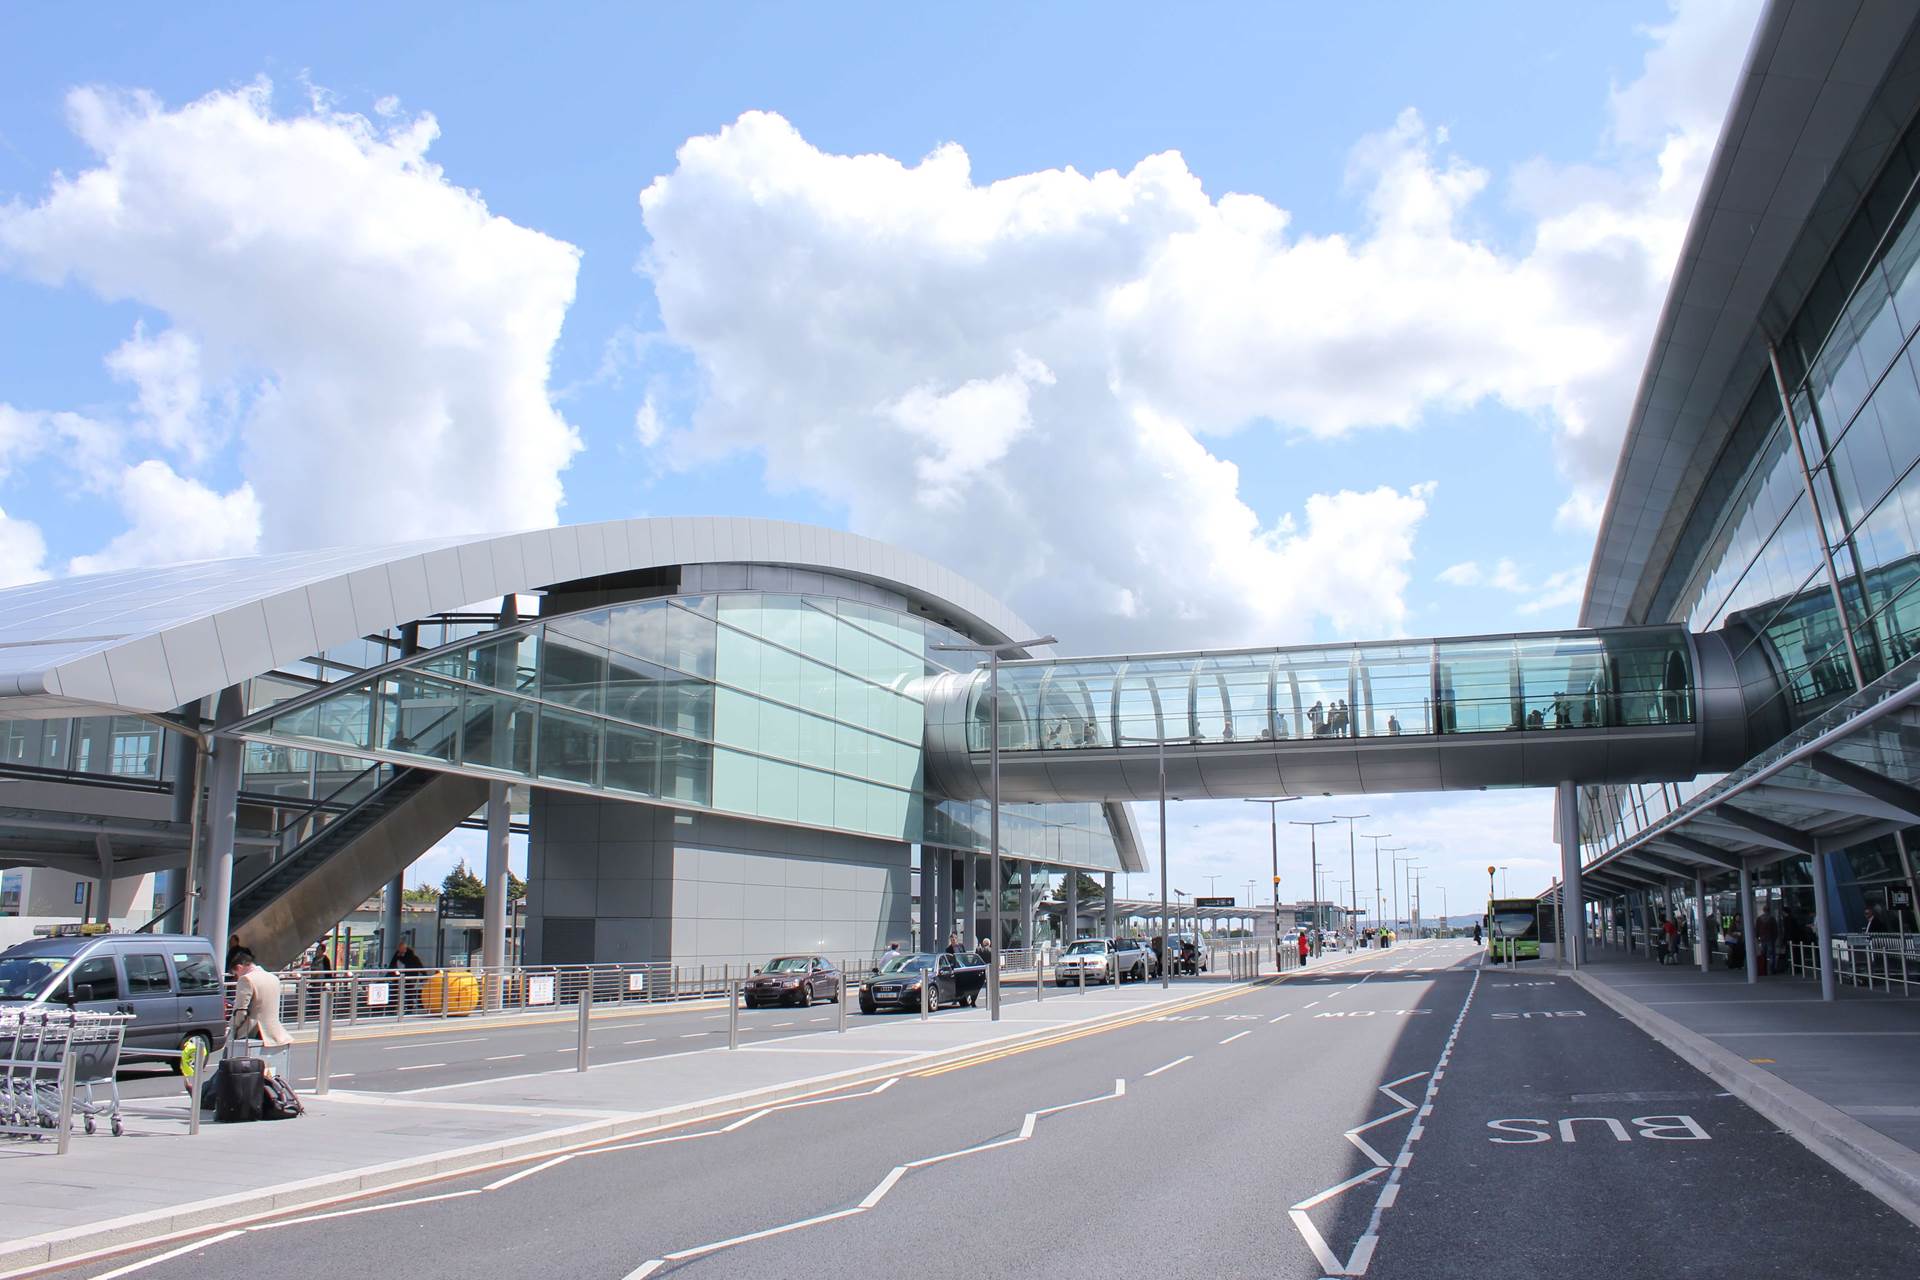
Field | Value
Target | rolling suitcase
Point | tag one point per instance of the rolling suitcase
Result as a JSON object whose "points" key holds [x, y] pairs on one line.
{"points": [[239, 1090]]}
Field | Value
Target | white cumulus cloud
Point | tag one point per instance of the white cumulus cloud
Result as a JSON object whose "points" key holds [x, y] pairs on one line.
{"points": [[173, 518], [355, 303], [872, 328]]}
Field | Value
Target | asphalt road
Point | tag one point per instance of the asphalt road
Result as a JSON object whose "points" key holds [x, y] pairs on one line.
{"points": [[1409, 1117]]}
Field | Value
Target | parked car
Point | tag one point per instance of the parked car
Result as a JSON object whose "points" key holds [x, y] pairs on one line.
{"points": [[1104, 960], [793, 980], [955, 980], [169, 982]]}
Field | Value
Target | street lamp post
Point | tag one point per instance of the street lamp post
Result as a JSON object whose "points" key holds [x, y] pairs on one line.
{"points": [[1384, 835], [1313, 852], [994, 653], [1353, 903], [1399, 866], [1273, 836], [1413, 896]]}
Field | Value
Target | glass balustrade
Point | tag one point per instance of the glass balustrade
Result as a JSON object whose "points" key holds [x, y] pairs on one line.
{"points": [[1497, 684]]}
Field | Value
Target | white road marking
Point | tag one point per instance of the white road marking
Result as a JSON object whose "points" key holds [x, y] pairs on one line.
{"points": [[648, 1040], [169, 1255], [695, 1035], [1170, 1066], [1230, 1039], [505, 1057], [1362, 1256], [1271, 1021], [421, 1066], [741, 1123], [783, 1024], [436, 1044], [879, 1192]]}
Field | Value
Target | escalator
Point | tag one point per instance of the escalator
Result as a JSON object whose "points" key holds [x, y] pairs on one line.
{"points": [[302, 894]]}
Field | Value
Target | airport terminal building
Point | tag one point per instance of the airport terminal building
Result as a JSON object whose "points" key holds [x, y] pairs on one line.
{"points": [[727, 738]]}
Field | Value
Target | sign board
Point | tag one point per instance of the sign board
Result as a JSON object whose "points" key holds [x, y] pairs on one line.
{"points": [[80, 893], [376, 995], [540, 989], [636, 983], [1213, 902]]}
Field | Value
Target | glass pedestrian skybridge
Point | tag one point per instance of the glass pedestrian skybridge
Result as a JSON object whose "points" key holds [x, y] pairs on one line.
{"points": [[1619, 705]]}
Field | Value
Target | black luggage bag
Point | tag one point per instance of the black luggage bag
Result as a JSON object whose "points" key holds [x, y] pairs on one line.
{"points": [[239, 1090]]}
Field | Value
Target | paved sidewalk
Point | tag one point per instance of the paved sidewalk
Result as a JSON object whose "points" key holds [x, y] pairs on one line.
{"points": [[1843, 1077], [157, 1181]]}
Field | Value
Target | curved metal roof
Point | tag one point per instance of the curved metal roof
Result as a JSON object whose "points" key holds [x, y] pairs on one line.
{"points": [[154, 639], [1800, 142]]}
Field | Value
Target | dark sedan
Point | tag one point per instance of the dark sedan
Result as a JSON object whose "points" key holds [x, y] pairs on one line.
{"points": [[956, 980], [793, 980]]}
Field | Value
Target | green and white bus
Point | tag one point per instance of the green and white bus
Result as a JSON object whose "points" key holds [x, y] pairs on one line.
{"points": [[1513, 928]]}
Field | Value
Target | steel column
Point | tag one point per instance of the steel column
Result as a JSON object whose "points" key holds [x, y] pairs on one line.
{"points": [[1573, 937], [1823, 924], [1700, 923], [1746, 923], [493, 934], [222, 807]]}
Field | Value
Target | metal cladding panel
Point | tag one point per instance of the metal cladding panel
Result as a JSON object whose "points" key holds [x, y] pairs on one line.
{"points": [[476, 572], [446, 583], [1326, 773], [85, 678], [1414, 767], [245, 645], [407, 588], [330, 604], [1484, 760], [193, 656], [567, 560], [590, 548], [509, 565], [372, 600], [1238, 775], [536, 560], [141, 677]]}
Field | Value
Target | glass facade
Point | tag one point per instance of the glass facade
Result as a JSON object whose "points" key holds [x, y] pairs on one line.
{"points": [[1630, 676], [1752, 555], [792, 708]]}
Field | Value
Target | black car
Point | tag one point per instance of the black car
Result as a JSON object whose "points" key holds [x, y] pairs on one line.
{"points": [[956, 980], [793, 980]]}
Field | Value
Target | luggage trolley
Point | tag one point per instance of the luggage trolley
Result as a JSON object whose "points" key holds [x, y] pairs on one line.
{"points": [[37, 1044]]}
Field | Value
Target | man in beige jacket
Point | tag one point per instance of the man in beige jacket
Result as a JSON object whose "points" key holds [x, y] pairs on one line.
{"points": [[256, 1005]]}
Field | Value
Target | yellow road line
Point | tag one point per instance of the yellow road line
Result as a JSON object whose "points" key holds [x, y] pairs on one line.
{"points": [[1077, 1033]]}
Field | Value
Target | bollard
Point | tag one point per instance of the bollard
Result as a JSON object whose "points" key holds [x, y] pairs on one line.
{"points": [[1039, 977], [1083, 978], [733, 1017], [323, 1047], [586, 1011], [841, 1000], [926, 992], [64, 1133]]}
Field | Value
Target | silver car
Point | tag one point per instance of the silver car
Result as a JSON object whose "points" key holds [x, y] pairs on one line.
{"points": [[1103, 960]]}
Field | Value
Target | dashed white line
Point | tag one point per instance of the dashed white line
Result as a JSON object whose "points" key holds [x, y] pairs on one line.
{"points": [[1230, 1039], [648, 1040], [421, 1066], [504, 1057], [1168, 1067], [1282, 1017], [878, 1193], [694, 1035]]}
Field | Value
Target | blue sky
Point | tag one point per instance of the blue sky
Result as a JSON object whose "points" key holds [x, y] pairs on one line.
{"points": [[1446, 330]]}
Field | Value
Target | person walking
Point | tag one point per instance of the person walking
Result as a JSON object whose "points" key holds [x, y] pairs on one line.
{"points": [[405, 960], [1766, 930], [1301, 940], [953, 944], [892, 953], [319, 976], [985, 947]]}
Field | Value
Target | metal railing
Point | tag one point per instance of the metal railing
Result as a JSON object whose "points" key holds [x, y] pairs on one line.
{"points": [[390, 995], [1876, 961]]}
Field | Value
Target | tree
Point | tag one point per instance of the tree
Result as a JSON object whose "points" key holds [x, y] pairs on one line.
{"points": [[516, 888], [462, 883], [422, 894]]}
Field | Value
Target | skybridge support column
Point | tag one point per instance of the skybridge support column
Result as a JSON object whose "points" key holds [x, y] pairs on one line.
{"points": [[223, 797], [493, 938], [1746, 923], [1072, 930], [1112, 929], [390, 918], [1573, 937], [970, 900], [1028, 935], [1823, 921], [1700, 923]]}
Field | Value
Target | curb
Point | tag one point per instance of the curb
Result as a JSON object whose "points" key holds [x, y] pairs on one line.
{"points": [[33, 1254], [1884, 1167]]}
